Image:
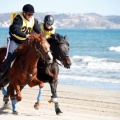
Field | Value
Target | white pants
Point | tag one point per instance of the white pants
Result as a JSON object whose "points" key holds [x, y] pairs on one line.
{"points": [[11, 47]]}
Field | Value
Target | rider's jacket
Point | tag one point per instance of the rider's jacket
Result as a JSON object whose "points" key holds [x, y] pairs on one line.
{"points": [[47, 32], [20, 27]]}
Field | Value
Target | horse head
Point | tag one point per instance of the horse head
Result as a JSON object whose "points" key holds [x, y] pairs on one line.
{"points": [[40, 45], [60, 49]]}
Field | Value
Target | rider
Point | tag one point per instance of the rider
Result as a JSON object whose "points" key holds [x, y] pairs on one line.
{"points": [[47, 27], [19, 31]]}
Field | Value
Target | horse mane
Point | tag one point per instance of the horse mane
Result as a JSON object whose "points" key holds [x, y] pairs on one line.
{"points": [[25, 46], [58, 39]]}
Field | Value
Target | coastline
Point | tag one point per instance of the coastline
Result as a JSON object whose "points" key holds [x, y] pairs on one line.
{"points": [[76, 103]]}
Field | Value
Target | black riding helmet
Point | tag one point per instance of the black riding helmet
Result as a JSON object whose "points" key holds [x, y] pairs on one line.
{"points": [[49, 19], [28, 8]]}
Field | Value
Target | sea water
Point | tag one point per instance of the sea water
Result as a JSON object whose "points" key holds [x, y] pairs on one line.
{"points": [[95, 56]]}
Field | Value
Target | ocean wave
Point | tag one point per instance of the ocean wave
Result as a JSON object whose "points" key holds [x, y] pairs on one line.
{"points": [[95, 63], [116, 49], [89, 79]]}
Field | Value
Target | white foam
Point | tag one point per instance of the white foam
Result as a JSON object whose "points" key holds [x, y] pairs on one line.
{"points": [[117, 49], [95, 63], [92, 69], [90, 79]]}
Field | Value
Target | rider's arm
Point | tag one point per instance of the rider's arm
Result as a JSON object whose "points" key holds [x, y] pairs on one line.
{"points": [[36, 27], [15, 28]]}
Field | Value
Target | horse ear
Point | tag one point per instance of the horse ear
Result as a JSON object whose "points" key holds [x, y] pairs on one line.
{"points": [[65, 37]]}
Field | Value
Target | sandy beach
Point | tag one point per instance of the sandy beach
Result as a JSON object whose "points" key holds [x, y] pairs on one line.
{"points": [[76, 103]]}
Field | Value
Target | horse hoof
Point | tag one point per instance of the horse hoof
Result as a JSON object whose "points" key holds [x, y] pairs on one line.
{"points": [[6, 98], [51, 102], [59, 112], [6, 106], [37, 105], [15, 113]]}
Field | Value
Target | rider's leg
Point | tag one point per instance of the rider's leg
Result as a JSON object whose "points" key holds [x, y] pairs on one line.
{"points": [[6, 62], [10, 56]]}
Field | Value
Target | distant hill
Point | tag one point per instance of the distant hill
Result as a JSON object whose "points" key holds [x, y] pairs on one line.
{"points": [[80, 21]]}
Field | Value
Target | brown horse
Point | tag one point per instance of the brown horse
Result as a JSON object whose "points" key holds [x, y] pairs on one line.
{"points": [[49, 73], [24, 68]]}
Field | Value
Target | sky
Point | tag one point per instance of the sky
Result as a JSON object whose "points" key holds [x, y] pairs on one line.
{"points": [[102, 7]]}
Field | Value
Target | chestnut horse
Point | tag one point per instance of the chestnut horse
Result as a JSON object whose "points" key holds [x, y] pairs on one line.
{"points": [[49, 73], [24, 68]]}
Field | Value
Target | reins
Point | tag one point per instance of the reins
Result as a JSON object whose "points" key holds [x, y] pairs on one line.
{"points": [[65, 48], [58, 63], [38, 50]]}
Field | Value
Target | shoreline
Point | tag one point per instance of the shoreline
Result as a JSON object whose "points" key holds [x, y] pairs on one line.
{"points": [[76, 103], [94, 85]]}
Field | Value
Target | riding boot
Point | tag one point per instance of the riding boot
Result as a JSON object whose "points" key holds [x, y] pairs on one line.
{"points": [[6, 64]]}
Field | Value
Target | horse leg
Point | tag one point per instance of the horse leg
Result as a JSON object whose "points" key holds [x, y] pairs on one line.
{"points": [[18, 91], [53, 85], [41, 85], [53, 91], [37, 104], [5, 98], [57, 109], [4, 92], [35, 82], [5, 81], [13, 99]]}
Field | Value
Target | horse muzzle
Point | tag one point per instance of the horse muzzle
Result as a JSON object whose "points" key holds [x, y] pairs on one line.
{"points": [[68, 63]]}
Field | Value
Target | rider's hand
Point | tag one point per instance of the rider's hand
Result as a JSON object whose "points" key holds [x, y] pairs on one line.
{"points": [[28, 35]]}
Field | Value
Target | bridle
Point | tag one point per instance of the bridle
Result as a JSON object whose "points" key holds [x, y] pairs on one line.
{"points": [[38, 50], [64, 54]]}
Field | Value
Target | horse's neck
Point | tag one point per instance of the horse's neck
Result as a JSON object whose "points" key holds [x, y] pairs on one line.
{"points": [[55, 55], [30, 60]]}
